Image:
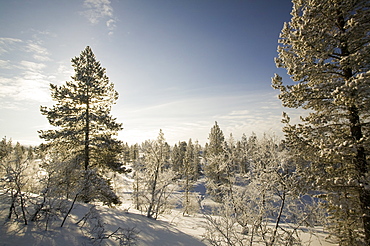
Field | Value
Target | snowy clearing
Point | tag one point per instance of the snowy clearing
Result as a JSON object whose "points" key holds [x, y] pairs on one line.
{"points": [[170, 229]]}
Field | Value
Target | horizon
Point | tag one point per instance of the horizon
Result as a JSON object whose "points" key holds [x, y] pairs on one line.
{"points": [[177, 66]]}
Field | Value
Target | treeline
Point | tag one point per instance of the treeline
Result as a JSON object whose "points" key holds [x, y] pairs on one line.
{"points": [[265, 189], [261, 192], [252, 180], [260, 195]]}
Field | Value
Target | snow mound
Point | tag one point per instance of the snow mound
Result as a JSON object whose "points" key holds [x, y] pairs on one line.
{"points": [[149, 231]]}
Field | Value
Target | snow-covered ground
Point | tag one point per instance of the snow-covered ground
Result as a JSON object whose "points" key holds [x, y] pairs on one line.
{"points": [[170, 229], [173, 229]]}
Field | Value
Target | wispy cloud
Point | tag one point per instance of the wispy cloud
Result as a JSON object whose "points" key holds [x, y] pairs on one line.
{"points": [[259, 114], [100, 10], [239, 112], [8, 44], [5, 64], [23, 76], [39, 53], [30, 86], [64, 68], [193, 116], [97, 10], [32, 66], [111, 24]]}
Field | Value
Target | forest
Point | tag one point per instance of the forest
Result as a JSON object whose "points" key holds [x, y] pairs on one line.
{"points": [[253, 185], [258, 190]]}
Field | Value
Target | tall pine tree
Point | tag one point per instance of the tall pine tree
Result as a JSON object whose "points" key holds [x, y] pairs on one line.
{"points": [[82, 122], [325, 48]]}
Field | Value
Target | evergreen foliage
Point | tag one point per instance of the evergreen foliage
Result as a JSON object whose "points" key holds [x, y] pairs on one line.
{"points": [[215, 161], [216, 140], [178, 156], [83, 128], [325, 48], [190, 174]]}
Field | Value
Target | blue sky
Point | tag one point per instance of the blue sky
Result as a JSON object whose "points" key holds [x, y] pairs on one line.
{"points": [[178, 65]]}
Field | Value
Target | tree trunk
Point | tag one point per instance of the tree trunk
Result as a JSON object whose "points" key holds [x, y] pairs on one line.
{"points": [[362, 170], [69, 210], [153, 191], [87, 133], [356, 133], [136, 190], [282, 197], [12, 205], [23, 208], [86, 183]]}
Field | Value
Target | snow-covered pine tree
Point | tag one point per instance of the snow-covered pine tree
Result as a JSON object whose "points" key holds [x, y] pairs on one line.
{"points": [[83, 125], [134, 152], [197, 166], [5, 148], [241, 149], [190, 174], [215, 158], [216, 140], [325, 48], [177, 156]]}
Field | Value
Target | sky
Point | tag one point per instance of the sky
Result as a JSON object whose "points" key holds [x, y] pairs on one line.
{"points": [[178, 65]]}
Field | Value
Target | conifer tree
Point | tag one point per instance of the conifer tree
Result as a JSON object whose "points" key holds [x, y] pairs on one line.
{"points": [[83, 125], [325, 48], [197, 168], [216, 161], [177, 156], [134, 152], [216, 140], [189, 174], [5, 148]]}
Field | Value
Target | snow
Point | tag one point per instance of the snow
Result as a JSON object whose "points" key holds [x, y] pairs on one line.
{"points": [[151, 232], [170, 229]]}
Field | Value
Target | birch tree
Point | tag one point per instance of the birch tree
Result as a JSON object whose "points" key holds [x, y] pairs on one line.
{"points": [[153, 177], [264, 206], [16, 168], [325, 49]]}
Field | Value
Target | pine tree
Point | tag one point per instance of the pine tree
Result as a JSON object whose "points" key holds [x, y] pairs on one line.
{"points": [[216, 161], [216, 140], [177, 156], [5, 148], [197, 168], [83, 125], [190, 174], [325, 48], [134, 152]]}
